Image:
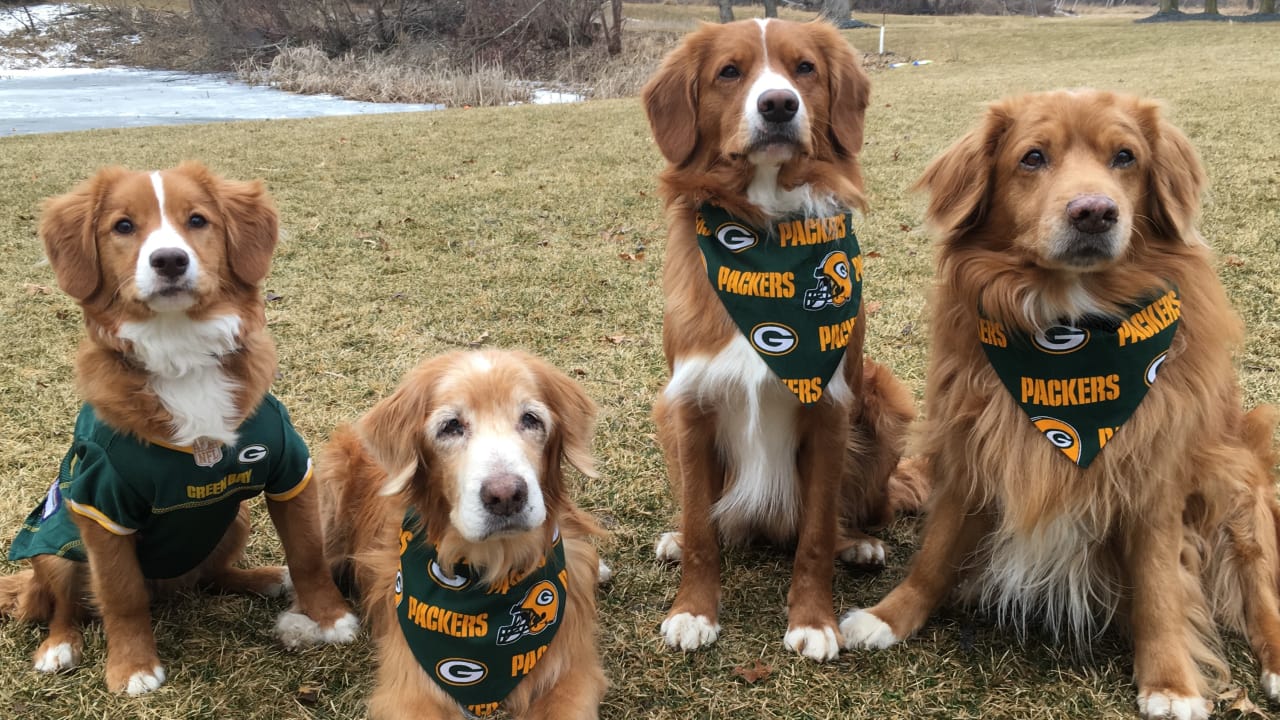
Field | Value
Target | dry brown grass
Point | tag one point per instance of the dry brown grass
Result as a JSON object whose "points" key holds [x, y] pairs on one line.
{"points": [[414, 234]]}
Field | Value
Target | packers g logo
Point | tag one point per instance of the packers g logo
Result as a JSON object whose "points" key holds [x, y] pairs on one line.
{"points": [[835, 283], [735, 238], [253, 454], [1060, 339], [461, 672], [399, 587], [451, 582], [773, 338], [533, 614], [1154, 368], [1060, 435]]}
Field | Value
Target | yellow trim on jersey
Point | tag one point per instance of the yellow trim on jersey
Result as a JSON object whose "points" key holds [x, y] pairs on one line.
{"points": [[99, 517], [292, 492], [180, 448]]}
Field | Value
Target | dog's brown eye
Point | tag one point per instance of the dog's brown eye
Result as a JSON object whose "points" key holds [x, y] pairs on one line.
{"points": [[805, 68], [1123, 159], [529, 421], [1033, 160], [123, 227], [196, 221], [730, 72], [450, 428]]}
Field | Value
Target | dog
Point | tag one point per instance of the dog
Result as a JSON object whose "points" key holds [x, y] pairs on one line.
{"points": [[1124, 483], [772, 424], [447, 509], [177, 429]]}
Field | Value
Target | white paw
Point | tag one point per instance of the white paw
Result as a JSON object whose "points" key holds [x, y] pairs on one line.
{"points": [[668, 547], [56, 659], [604, 574], [144, 682], [687, 632], [814, 643], [864, 552], [861, 629], [1156, 704], [1271, 685], [296, 630]]}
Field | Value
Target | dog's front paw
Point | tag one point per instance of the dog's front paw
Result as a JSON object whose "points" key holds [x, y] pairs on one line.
{"points": [[283, 589], [1271, 685], [296, 630], [865, 552], [56, 657], [862, 629], [1164, 704], [687, 632], [819, 644], [669, 547], [133, 680]]}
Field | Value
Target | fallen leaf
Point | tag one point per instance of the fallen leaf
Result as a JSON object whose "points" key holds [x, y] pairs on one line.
{"points": [[617, 339], [1239, 703], [272, 297], [904, 227], [906, 329], [33, 289], [1233, 261], [873, 307], [632, 256], [579, 372], [480, 340], [754, 674], [873, 254], [307, 695]]}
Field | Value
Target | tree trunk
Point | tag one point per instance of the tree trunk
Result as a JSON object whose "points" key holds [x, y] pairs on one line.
{"points": [[1210, 7], [1168, 6], [726, 11], [837, 11], [613, 30], [1267, 7], [771, 8]]}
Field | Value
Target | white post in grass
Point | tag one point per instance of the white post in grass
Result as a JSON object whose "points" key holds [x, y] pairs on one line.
{"points": [[882, 39]]}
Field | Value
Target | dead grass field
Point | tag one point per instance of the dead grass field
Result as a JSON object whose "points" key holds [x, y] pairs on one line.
{"points": [[539, 228]]}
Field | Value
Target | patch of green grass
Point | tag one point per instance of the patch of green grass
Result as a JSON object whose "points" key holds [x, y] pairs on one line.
{"points": [[410, 235]]}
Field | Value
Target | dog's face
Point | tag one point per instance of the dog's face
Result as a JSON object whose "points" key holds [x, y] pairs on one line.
{"points": [[475, 440], [766, 91], [160, 241], [1068, 180]]}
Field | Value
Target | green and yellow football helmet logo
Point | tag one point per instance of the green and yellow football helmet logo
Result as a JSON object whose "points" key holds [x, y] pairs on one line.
{"points": [[533, 614], [835, 282], [1061, 435]]}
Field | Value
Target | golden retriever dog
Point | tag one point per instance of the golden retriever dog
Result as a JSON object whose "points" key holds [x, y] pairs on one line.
{"points": [[773, 424], [177, 429], [446, 506], [1085, 435]]}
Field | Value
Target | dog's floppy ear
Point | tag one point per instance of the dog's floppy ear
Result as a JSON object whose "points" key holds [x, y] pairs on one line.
{"points": [[252, 224], [1175, 177], [959, 180], [573, 416], [850, 91], [68, 229], [392, 430], [671, 102]]}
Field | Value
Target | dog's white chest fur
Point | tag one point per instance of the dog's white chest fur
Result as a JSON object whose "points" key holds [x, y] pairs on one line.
{"points": [[183, 358], [756, 435]]}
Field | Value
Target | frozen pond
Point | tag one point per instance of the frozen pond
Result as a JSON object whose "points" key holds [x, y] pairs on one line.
{"points": [[63, 99]]}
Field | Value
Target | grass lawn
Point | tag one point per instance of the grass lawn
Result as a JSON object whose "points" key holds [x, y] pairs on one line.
{"points": [[539, 227]]}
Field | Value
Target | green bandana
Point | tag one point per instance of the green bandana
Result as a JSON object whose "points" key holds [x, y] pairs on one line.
{"points": [[793, 289], [476, 642], [1080, 384]]}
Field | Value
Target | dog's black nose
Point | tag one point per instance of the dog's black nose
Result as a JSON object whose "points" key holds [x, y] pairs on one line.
{"points": [[1093, 214], [504, 495], [778, 106], [170, 263]]}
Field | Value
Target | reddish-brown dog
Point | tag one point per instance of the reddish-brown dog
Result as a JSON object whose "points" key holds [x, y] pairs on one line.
{"points": [[457, 476], [1056, 215], [762, 121], [177, 426]]}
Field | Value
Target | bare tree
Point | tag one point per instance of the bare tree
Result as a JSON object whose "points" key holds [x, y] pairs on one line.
{"points": [[613, 29], [1267, 7], [771, 8], [726, 11], [1168, 6], [837, 11], [1210, 7]]}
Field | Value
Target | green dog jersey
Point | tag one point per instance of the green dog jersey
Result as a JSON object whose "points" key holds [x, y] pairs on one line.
{"points": [[178, 509]]}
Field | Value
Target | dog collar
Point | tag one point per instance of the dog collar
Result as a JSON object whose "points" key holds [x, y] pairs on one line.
{"points": [[1081, 383], [793, 288], [476, 642]]}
